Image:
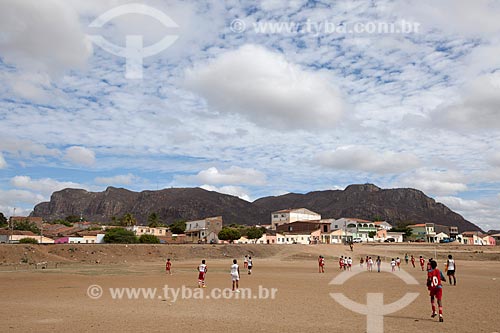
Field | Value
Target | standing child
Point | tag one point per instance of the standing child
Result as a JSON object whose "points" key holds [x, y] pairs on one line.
{"points": [[321, 264], [202, 272], [370, 264], [398, 263], [379, 262], [393, 265], [434, 278], [168, 266], [422, 262], [413, 260], [450, 269], [361, 261], [250, 264], [406, 258], [341, 262], [235, 275], [245, 262], [349, 264]]}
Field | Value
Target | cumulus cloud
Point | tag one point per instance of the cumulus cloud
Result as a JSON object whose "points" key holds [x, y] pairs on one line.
{"points": [[3, 163], [45, 186], [116, 180], [265, 88], [231, 190], [80, 155], [483, 212], [42, 35], [459, 17], [365, 159], [434, 182], [477, 108], [231, 176]]}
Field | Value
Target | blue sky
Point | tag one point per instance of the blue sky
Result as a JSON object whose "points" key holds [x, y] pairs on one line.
{"points": [[254, 99]]}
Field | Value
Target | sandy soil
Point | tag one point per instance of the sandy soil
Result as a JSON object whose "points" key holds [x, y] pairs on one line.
{"points": [[57, 298]]}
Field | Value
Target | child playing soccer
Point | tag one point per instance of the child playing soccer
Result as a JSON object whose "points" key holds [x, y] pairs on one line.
{"points": [[235, 275], [168, 266], [450, 269], [434, 278], [413, 260], [422, 262], [321, 264], [202, 272]]}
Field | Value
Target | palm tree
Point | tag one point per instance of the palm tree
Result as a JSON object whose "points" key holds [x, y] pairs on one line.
{"points": [[128, 220], [153, 220]]}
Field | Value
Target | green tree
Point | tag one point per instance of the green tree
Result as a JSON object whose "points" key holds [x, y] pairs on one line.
{"points": [[372, 234], [149, 239], [26, 225], [73, 218], [154, 220], [229, 234], [128, 220], [3, 220], [28, 240], [63, 222], [120, 235], [178, 227], [254, 233]]}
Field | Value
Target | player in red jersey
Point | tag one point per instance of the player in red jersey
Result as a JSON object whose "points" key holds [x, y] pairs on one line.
{"points": [[321, 264], [434, 278], [168, 266], [422, 262], [413, 260], [202, 271], [341, 262]]}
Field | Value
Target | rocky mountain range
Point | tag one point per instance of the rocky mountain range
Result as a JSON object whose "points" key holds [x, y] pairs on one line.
{"points": [[367, 201]]}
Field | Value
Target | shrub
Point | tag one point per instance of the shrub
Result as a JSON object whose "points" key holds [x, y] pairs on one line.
{"points": [[120, 235], [149, 239], [28, 240]]}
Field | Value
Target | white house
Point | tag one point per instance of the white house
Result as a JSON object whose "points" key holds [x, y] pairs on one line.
{"points": [[298, 237], [292, 215], [441, 236]]}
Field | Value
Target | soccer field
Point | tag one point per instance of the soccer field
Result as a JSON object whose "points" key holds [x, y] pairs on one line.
{"points": [[284, 293]]}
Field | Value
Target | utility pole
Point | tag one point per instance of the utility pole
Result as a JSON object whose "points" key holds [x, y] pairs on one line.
{"points": [[12, 225]]}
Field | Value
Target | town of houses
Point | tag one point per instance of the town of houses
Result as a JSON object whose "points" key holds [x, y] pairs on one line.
{"points": [[290, 226]]}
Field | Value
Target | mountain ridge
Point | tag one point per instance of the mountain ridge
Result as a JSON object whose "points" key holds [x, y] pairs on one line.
{"points": [[367, 201]]}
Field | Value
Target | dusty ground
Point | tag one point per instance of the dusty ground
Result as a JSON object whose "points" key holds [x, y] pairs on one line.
{"points": [[56, 298]]}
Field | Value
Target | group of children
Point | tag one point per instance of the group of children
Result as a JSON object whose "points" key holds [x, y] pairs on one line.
{"points": [[202, 271]]}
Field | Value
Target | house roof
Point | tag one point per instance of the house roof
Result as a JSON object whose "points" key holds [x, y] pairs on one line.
{"points": [[416, 225], [16, 232]]}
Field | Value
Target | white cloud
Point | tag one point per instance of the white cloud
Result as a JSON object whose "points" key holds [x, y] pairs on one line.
{"points": [[268, 90], [231, 190], [483, 212], [456, 17], [15, 198], [80, 155], [118, 179], [46, 186], [478, 107], [367, 160], [434, 182], [42, 35], [232, 176], [3, 163]]}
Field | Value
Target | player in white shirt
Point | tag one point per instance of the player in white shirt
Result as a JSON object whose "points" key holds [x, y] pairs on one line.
{"points": [[450, 270], [393, 265], [202, 271], [235, 275]]}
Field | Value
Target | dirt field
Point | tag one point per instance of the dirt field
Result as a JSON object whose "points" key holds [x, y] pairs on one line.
{"points": [[59, 299]]}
